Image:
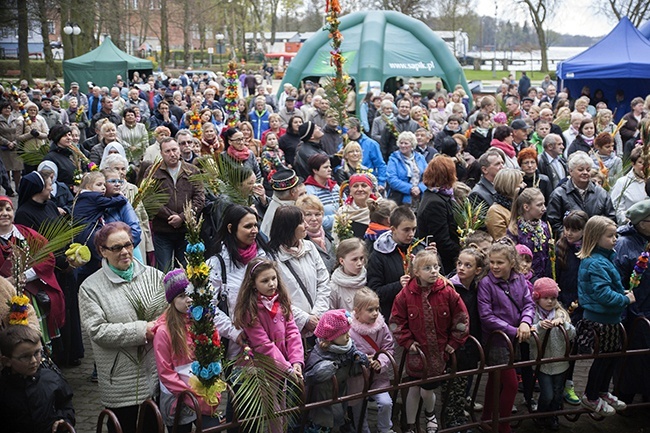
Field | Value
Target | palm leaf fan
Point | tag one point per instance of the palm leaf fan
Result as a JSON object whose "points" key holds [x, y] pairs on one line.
{"points": [[469, 216], [221, 176], [262, 390], [32, 153], [150, 302], [57, 233], [149, 193]]}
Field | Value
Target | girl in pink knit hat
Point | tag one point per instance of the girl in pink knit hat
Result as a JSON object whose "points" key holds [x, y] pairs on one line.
{"points": [[335, 355], [550, 315]]}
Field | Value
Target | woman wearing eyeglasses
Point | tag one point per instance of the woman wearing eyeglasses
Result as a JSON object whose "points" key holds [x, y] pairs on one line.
{"points": [[238, 154], [119, 334]]}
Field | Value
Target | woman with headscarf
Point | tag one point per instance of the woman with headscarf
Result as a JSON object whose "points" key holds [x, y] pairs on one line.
{"points": [[110, 149], [61, 194], [34, 204], [355, 209]]}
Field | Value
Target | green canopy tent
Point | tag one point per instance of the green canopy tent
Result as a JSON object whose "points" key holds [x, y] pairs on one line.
{"points": [[102, 65], [379, 45]]}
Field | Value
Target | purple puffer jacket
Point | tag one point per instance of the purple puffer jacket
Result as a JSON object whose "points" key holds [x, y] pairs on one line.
{"points": [[497, 311]]}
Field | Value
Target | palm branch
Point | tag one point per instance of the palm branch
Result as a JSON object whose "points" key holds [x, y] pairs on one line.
{"points": [[263, 389], [221, 177], [32, 153], [469, 217], [150, 301], [150, 192], [58, 234]]}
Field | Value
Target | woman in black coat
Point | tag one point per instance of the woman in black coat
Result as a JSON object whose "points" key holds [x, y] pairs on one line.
{"points": [[481, 136], [436, 215], [290, 141]]}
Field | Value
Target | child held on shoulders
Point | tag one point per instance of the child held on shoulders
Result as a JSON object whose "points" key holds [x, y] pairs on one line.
{"points": [[504, 304], [272, 158], [549, 314], [33, 398], [445, 313], [90, 202], [603, 298], [335, 355], [172, 346], [349, 273], [370, 334]]}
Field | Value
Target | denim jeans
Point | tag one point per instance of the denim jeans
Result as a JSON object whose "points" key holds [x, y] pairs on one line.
{"points": [[551, 390], [169, 248]]}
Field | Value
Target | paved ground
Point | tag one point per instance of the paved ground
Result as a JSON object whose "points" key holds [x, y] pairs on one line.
{"points": [[88, 406]]}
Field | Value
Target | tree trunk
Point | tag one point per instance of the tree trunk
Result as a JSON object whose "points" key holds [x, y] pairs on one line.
{"points": [[23, 47], [164, 35], [186, 35], [541, 38], [47, 50]]}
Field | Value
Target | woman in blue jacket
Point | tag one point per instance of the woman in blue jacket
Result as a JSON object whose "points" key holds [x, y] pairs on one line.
{"points": [[405, 169]]}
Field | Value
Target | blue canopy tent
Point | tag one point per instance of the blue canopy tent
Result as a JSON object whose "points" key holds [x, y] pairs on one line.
{"points": [[645, 29], [619, 61]]}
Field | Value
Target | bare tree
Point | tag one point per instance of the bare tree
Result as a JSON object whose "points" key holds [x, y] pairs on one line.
{"points": [[41, 13], [164, 34], [636, 10], [539, 11], [23, 35]]}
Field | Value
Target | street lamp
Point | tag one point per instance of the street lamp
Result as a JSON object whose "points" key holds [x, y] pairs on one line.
{"points": [[72, 29], [220, 38]]}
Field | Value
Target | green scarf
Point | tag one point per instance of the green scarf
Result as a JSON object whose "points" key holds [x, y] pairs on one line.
{"points": [[126, 275]]}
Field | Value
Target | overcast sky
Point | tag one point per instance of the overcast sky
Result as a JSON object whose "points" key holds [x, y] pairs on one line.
{"points": [[575, 17]]}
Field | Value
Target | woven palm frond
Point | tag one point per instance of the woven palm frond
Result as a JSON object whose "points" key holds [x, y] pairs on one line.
{"points": [[262, 390], [32, 153], [222, 177]]}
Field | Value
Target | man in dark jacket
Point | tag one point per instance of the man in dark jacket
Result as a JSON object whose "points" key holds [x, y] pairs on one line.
{"points": [[106, 113], [491, 163], [168, 225], [310, 134], [402, 122], [551, 162]]}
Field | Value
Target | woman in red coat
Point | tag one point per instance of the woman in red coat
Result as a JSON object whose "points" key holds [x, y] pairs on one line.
{"points": [[39, 278]]}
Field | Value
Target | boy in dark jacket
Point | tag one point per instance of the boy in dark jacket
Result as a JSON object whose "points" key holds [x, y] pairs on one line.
{"points": [[32, 398]]}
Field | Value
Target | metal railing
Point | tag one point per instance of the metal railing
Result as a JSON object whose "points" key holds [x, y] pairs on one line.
{"points": [[401, 383]]}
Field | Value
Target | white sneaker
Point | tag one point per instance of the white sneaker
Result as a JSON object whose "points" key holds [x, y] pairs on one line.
{"points": [[599, 406], [613, 401]]}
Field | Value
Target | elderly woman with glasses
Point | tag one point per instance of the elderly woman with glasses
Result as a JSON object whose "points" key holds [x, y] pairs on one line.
{"points": [[119, 333]]}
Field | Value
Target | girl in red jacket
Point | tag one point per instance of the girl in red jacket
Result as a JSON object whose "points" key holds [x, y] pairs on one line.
{"points": [[430, 316], [172, 346]]}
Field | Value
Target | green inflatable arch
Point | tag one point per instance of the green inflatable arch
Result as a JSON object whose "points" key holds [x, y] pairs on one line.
{"points": [[379, 45]]}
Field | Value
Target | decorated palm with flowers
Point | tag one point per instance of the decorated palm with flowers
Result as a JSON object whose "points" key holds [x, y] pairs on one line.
{"points": [[469, 217], [408, 256], [231, 96], [21, 106], [336, 87], [196, 128], [639, 268], [207, 367], [390, 126]]}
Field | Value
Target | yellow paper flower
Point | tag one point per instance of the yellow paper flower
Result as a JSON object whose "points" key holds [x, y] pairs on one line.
{"points": [[20, 300], [212, 394]]}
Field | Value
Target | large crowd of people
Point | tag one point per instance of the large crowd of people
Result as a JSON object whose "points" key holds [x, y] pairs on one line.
{"points": [[344, 241]]}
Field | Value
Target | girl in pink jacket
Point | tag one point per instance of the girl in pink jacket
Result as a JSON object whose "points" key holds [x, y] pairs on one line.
{"points": [[174, 352], [370, 334], [263, 311]]}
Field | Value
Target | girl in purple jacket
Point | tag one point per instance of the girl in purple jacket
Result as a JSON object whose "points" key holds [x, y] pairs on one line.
{"points": [[370, 334], [504, 304], [527, 228], [263, 311]]}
